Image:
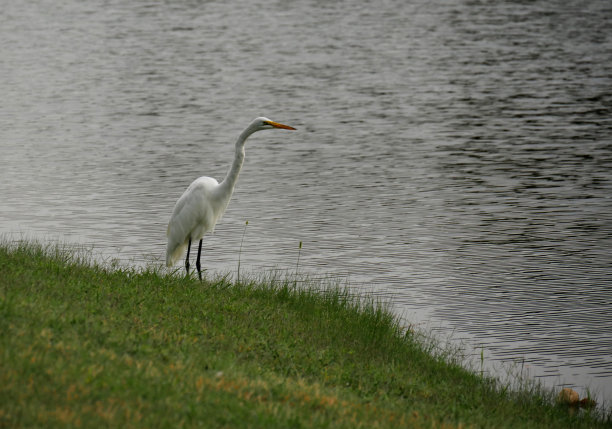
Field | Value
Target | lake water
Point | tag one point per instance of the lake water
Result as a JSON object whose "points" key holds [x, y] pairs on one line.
{"points": [[452, 157]]}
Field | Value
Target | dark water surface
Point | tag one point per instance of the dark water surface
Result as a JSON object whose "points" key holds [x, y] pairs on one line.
{"points": [[452, 157]]}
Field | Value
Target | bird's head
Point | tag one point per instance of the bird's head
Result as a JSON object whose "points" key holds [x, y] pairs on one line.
{"points": [[262, 123]]}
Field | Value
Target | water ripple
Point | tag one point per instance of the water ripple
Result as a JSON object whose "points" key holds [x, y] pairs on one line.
{"points": [[452, 158]]}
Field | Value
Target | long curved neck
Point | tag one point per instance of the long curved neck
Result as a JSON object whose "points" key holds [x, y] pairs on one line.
{"points": [[230, 180]]}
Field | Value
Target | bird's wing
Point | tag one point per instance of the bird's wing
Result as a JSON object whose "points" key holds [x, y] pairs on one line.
{"points": [[191, 217]]}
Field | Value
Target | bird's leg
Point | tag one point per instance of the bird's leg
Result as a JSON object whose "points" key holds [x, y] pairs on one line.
{"points": [[198, 261], [187, 257]]}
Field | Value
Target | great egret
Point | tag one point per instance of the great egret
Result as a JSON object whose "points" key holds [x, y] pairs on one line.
{"points": [[200, 207]]}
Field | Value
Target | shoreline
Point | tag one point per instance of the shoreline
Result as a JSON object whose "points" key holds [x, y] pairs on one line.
{"points": [[86, 345]]}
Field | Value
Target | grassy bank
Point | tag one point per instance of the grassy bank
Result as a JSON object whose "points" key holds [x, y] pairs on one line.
{"points": [[85, 346]]}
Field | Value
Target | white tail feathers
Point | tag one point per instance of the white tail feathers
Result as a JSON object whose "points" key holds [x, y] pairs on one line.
{"points": [[174, 252]]}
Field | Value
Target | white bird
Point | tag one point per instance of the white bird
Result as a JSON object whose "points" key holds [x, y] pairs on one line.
{"points": [[200, 207]]}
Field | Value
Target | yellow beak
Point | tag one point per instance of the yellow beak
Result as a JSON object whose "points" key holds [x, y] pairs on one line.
{"points": [[277, 125]]}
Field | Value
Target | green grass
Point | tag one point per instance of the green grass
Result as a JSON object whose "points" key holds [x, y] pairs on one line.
{"points": [[87, 346]]}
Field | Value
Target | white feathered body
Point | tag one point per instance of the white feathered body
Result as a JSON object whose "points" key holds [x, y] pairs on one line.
{"points": [[195, 213], [203, 203]]}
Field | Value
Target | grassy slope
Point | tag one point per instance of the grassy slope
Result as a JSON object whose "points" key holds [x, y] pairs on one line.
{"points": [[85, 346]]}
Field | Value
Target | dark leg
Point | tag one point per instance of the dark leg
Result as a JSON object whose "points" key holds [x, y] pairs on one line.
{"points": [[198, 261], [187, 258]]}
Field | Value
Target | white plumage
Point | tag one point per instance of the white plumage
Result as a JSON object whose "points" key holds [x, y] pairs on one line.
{"points": [[194, 215], [203, 203]]}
